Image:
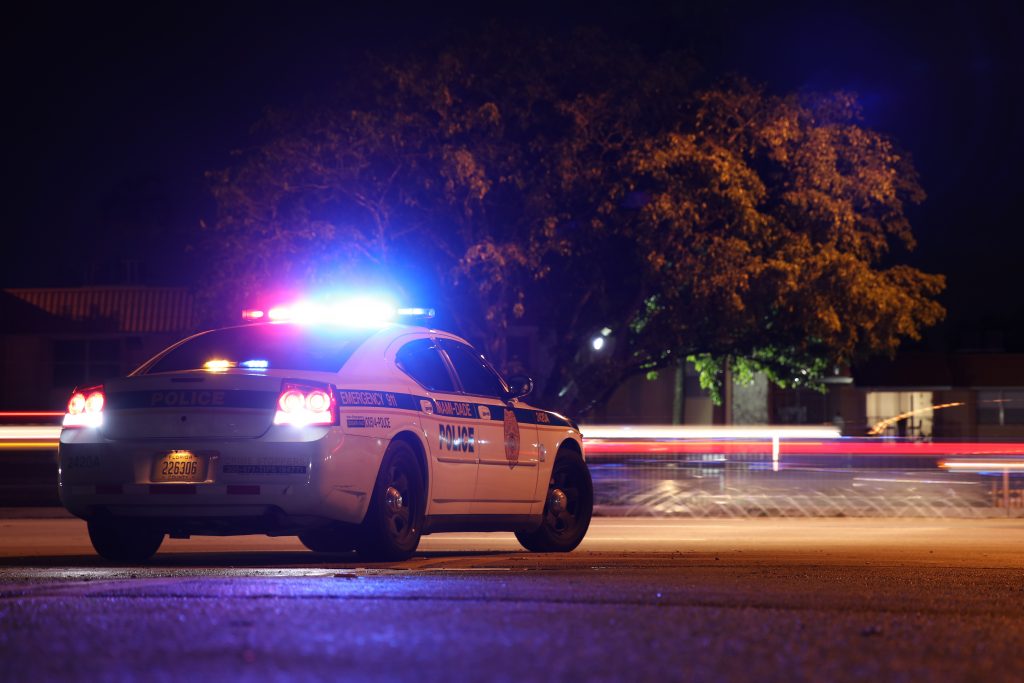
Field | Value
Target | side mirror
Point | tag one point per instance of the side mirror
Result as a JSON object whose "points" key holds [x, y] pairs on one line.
{"points": [[519, 386]]}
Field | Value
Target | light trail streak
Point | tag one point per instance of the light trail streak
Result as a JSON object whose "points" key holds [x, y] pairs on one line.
{"points": [[28, 445], [882, 425], [982, 465], [707, 432], [41, 437], [30, 413], [30, 432], [838, 447], [30, 437]]}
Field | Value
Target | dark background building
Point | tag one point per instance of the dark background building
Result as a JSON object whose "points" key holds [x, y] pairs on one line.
{"points": [[54, 340]]}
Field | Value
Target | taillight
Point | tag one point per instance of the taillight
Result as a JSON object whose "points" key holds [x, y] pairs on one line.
{"points": [[85, 409], [306, 404]]}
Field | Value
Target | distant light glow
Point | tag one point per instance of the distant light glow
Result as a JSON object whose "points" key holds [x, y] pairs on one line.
{"points": [[255, 364], [597, 343], [252, 314], [218, 365]]}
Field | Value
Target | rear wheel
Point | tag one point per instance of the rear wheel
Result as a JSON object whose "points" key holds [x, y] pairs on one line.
{"points": [[567, 508], [394, 521], [124, 541], [333, 538]]}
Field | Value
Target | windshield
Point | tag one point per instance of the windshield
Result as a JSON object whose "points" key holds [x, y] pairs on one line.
{"points": [[273, 347]]}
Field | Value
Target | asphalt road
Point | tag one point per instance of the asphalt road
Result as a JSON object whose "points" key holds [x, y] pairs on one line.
{"points": [[642, 599]]}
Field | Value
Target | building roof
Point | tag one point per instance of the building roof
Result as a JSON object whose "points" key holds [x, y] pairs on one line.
{"points": [[20, 317], [124, 309]]}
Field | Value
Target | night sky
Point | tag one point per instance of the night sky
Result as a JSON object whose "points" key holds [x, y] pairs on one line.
{"points": [[114, 114]]}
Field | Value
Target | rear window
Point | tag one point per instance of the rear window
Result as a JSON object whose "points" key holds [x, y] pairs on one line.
{"points": [[282, 347]]}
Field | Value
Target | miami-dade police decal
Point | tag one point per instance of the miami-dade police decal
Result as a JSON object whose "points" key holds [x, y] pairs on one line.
{"points": [[511, 438], [454, 409]]}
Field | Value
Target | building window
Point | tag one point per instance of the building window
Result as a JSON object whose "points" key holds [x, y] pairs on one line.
{"points": [[1000, 408], [81, 362], [901, 413]]}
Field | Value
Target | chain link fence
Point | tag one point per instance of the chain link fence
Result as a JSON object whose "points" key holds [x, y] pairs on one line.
{"points": [[751, 485]]}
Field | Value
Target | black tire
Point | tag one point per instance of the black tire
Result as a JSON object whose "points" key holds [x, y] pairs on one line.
{"points": [[334, 538], [394, 523], [123, 540], [566, 516]]}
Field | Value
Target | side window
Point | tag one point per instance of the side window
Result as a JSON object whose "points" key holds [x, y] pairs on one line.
{"points": [[420, 360], [475, 374]]}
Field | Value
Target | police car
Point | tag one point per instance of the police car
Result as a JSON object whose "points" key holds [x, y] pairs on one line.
{"points": [[351, 436]]}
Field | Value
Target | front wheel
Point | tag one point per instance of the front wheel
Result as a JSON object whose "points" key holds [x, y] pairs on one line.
{"points": [[567, 508], [394, 520], [124, 541]]}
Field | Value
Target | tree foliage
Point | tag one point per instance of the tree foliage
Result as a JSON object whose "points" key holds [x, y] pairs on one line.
{"points": [[580, 185]]}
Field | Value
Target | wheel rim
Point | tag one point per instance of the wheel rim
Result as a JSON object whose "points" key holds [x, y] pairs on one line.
{"points": [[563, 509], [399, 503]]}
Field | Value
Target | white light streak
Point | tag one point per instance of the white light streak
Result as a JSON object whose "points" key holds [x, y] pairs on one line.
{"points": [[707, 432]]}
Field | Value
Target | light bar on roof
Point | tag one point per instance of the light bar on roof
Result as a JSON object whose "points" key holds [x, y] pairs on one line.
{"points": [[219, 365], [416, 312], [358, 312]]}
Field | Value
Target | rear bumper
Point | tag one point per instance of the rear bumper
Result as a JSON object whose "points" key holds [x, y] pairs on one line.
{"points": [[284, 481]]}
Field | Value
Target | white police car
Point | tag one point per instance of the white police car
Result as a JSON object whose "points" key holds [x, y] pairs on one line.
{"points": [[351, 437]]}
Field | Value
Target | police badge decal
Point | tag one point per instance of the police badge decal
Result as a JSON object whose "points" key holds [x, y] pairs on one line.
{"points": [[511, 438]]}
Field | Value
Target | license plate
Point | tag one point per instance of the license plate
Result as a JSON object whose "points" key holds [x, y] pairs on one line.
{"points": [[183, 466]]}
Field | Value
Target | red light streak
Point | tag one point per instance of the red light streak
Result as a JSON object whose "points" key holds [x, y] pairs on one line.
{"points": [[31, 413]]}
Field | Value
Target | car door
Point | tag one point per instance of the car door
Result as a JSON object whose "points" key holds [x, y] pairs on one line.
{"points": [[506, 479], [452, 446]]}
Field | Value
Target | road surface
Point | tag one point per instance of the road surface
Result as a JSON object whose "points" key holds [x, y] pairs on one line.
{"points": [[642, 599]]}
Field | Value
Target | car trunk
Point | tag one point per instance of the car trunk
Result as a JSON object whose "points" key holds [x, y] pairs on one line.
{"points": [[190, 404]]}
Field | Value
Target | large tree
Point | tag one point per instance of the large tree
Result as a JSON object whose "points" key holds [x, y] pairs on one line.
{"points": [[581, 186]]}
